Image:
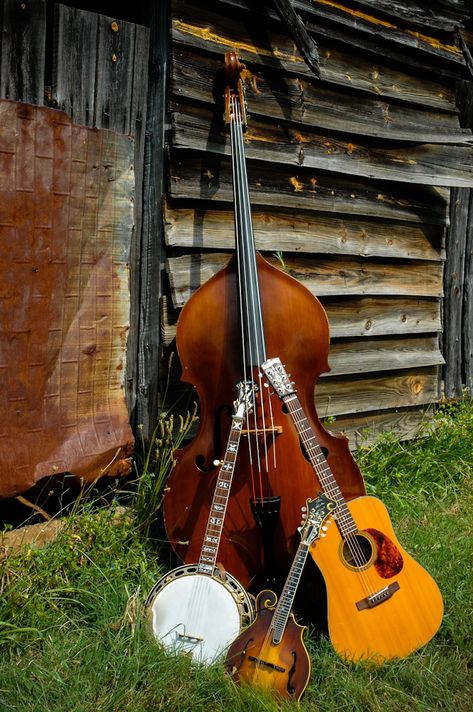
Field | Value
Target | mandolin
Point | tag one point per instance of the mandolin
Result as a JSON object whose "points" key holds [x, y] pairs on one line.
{"points": [[381, 603], [199, 609], [271, 653]]}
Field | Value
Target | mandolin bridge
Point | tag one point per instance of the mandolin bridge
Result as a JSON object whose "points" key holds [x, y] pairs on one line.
{"points": [[378, 597], [265, 663]]}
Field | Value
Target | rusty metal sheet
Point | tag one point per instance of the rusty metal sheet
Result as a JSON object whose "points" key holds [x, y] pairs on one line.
{"points": [[66, 219]]}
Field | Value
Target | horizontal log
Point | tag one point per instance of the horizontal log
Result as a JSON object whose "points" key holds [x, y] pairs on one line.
{"points": [[371, 355], [306, 101], [363, 430], [323, 277], [218, 33], [295, 231], [414, 13], [366, 316], [428, 164], [207, 176], [399, 389], [364, 33]]}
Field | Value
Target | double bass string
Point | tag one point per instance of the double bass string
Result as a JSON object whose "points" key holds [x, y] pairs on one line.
{"points": [[249, 288]]}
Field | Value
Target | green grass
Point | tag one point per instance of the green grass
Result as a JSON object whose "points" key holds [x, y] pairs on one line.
{"points": [[71, 631]]}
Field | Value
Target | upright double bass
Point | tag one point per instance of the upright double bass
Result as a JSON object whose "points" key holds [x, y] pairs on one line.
{"points": [[246, 312]]}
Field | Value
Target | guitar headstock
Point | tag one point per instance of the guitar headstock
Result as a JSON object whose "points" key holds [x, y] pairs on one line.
{"points": [[278, 378], [318, 511], [245, 400]]}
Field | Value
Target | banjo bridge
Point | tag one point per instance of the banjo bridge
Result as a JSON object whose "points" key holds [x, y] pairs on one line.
{"points": [[189, 638]]}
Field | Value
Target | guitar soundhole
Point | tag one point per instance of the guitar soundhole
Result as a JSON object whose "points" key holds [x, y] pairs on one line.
{"points": [[358, 551]]}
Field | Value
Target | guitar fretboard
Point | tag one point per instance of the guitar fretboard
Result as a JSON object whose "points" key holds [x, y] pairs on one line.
{"points": [[345, 521], [213, 532]]}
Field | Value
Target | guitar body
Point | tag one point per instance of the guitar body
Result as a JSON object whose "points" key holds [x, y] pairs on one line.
{"points": [[197, 614], [253, 658], [383, 606]]}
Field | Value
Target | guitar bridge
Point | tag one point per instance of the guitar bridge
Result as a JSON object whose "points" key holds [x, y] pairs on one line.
{"points": [[379, 597]]}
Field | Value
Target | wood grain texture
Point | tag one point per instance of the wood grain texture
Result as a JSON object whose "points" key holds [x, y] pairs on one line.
{"points": [[428, 164], [365, 316], [323, 277], [362, 429], [304, 232], [23, 51], [410, 387], [308, 102], [397, 626], [220, 32], [207, 176]]}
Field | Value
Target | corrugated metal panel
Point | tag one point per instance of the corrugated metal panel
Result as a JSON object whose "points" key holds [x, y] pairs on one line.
{"points": [[66, 218]]}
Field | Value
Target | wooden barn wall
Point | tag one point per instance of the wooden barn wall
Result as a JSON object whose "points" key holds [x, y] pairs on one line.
{"points": [[350, 178], [95, 69]]}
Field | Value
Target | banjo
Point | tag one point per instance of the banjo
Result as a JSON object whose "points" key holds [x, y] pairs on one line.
{"points": [[199, 609]]}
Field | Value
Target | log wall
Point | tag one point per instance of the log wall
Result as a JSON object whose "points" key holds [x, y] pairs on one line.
{"points": [[350, 181]]}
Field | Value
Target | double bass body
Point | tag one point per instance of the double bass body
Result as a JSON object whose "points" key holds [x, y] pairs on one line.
{"points": [[247, 312], [209, 347]]}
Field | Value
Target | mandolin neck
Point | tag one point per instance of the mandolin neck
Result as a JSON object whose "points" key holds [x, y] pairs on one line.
{"points": [[286, 599]]}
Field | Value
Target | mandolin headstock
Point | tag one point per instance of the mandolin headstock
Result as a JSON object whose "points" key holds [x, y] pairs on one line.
{"points": [[318, 511]]}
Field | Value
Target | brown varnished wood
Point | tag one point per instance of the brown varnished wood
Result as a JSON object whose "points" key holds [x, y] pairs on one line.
{"points": [[209, 346], [290, 675]]}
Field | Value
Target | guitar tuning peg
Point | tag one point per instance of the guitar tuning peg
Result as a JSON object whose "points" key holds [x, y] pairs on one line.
{"points": [[304, 516], [323, 534], [303, 509], [324, 529]]}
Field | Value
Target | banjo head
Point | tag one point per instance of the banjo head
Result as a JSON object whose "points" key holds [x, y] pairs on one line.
{"points": [[197, 615]]}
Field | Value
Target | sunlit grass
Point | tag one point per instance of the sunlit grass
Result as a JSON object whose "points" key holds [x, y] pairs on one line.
{"points": [[71, 630]]}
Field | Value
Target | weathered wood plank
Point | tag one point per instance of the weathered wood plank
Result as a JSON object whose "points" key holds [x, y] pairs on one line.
{"points": [[289, 98], [453, 301], [366, 316], [218, 33], [414, 13], [151, 257], [362, 430], [428, 164], [75, 63], [468, 302], [404, 46], [323, 277], [342, 395], [206, 176], [23, 51], [296, 231], [372, 355]]}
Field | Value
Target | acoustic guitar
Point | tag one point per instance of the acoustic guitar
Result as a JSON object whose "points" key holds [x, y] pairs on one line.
{"points": [[381, 603], [271, 653], [198, 609]]}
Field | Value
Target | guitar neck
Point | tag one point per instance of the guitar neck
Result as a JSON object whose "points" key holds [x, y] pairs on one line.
{"points": [[286, 599], [329, 484], [213, 532]]}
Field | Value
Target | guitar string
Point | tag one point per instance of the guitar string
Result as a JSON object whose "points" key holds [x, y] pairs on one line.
{"points": [[331, 488]]}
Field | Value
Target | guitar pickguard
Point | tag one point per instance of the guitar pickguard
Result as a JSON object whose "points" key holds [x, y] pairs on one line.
{"points": [[389, 561]]}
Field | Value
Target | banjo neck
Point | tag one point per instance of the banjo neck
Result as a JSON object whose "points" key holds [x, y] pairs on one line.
{"points": [[218, 508]]}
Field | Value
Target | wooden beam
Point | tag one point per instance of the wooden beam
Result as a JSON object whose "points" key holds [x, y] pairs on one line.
{"points": [[304, 232], [323, 277], [428, 164]]}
